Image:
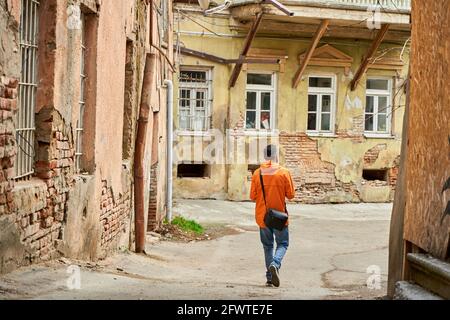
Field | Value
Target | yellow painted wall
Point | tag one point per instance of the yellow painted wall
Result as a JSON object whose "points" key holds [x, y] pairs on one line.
{"points": [[291, 106]]}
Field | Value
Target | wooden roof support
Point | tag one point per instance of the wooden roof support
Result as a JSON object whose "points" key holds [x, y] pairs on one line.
{"points": [[365, 63], [248, 42], [319, 34], [202, 55], [213, 58]]}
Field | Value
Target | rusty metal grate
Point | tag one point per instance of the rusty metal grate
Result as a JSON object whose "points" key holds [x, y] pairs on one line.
{"points": [[80, 123], [25, 117]]}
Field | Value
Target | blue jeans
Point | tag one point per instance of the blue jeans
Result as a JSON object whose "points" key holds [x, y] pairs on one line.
{"points": [[267, 238]]}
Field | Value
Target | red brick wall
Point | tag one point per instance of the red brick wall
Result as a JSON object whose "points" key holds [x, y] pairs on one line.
{"points": [[115, 214], [8, 107], [153, 221]]}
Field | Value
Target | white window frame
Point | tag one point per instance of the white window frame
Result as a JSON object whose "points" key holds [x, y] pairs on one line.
{"points": [[273, 103], [376, 94], [193, 87], [320, 92]]}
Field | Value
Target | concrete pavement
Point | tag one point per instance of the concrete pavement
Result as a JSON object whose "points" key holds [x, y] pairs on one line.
{"points": [[332, 247]]}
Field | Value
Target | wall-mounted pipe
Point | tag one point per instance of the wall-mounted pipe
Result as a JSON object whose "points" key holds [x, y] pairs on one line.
{"points": [[169, 85], [144, 111]]}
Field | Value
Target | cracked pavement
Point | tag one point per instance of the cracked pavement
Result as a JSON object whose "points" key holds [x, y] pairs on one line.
{"points": [[331, 249]]}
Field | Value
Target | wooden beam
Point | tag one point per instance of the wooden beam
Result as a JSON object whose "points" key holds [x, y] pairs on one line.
{"points": [[319, 34], [202, 55], [365, 63], [213, 58], [248, 42]]}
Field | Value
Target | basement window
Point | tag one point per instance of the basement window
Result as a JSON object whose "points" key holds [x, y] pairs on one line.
{"points": [[188, 170], [373, 175]]}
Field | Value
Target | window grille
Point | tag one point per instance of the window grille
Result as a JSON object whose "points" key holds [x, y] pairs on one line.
{"points": [[25, 118], [195, 100], [80, 123]]}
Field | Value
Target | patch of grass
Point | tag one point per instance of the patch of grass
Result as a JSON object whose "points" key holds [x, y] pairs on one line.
{"points": [[188, 225]]}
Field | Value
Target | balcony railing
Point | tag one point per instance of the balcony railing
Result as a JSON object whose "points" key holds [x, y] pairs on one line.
{"points": [[391, 5]]}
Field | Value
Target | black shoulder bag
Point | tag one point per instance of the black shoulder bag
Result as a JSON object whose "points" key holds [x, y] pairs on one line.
{"points": [[273, 219]]}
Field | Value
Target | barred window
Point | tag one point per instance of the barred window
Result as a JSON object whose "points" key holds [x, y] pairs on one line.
{"points": [[25, 118], [194, 102], [82, 102]]}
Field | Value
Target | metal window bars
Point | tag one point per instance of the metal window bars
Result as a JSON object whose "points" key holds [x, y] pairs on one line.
{"points": [[195, 100], [25, 117], [82, 102]]}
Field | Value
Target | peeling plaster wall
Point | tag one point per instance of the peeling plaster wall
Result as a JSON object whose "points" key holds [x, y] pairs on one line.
{"points": [[340, 159], [58, 212]]}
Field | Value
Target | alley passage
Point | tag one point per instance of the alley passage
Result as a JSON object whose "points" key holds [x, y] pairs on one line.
{"points": [[335, 250]]}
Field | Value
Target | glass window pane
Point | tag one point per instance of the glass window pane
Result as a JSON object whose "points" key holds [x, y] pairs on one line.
{"points": [[312, 121], [199, 120], [250, 120], [312, 102], [184, 120], [259, 79], [265, 100], [265, 120], [251, 100], [185, 96], [325, 122], [369, 123], [382, 123], [382, 104], [200, 99], [377, 84], [315, 82], [192, 76], [369, 104], [326, 103]]}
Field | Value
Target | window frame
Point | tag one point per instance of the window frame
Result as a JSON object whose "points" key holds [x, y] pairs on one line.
{"points": [[79, 128], [273, 102], [25, 122], [193, 101], [320, 92], [376, 94]]}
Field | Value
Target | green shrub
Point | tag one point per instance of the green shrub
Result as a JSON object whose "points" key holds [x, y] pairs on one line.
{"points": [[187, 225]]}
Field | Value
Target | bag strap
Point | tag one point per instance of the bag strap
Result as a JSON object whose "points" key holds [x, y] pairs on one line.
{"points": [[262, 187]]}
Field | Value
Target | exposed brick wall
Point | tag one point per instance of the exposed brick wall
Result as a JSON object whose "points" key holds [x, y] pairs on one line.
{"points": [[115, 214], [314, 178], [393, 173], [153, 222], [356, 133], [372, 154], [8, 107], [42, 229]]}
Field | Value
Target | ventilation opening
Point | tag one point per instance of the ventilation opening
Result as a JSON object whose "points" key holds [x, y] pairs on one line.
{"points": [[185, 170], [373, 175]]}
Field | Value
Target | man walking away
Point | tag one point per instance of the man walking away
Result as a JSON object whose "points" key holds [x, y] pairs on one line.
{"points": [[278, 186]]}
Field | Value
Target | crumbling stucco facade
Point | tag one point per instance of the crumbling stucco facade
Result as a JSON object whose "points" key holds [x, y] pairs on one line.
{"points": [[327, 167], [78, 199]]}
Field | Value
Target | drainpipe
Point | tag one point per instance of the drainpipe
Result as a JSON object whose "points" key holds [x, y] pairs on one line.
{"points": [[169, 85], [144, 111]]}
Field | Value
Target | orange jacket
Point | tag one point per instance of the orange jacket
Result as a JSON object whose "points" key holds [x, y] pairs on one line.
{"points": [[278, 185]]}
